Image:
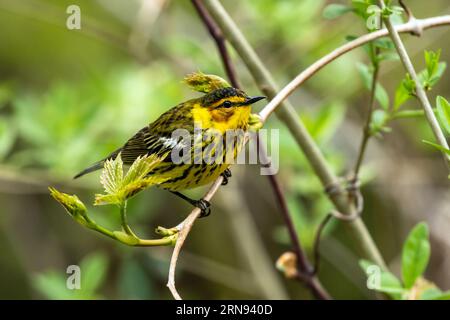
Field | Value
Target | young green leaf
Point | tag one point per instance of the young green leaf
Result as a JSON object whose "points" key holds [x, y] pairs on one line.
{"points": [[415, 255], [382, 281], [384, 43], [401, 96], [434, 78], [409, 85], [334, 10], [73, 205], [52, 285], [380, 93], [431, 61], [433, 71], [437, 146], [428, 80], [388, 56], [443, 108], [381, 96], [360, 7], [112, 175], [378, 122], [118, 187], [366, 74], [93, 269], [254, 122]]}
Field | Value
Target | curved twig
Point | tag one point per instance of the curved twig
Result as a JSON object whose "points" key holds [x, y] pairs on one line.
{"points": [[410, 26], [184, 229]]}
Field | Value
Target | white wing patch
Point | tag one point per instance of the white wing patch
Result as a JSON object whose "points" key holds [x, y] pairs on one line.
{"points": [[169, 142]]}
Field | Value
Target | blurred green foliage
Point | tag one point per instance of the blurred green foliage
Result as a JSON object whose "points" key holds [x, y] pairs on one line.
{"points": [[54, 284], [67, 98]]}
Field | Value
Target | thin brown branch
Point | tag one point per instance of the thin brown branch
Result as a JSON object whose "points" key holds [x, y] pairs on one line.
{"points": [[304, 266], [219, 39], [408, 12], [306, 271], [303, 263], [317, 239]]}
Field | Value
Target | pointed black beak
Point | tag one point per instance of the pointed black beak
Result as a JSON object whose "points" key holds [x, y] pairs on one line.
{"points": [[252, 100]]}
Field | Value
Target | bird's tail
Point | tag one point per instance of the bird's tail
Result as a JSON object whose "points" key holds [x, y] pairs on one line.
{"points": [[99, 164], [94, 167]]}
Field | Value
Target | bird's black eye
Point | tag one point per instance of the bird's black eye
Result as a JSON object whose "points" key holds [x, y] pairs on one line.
{"points": [[227, 104]]}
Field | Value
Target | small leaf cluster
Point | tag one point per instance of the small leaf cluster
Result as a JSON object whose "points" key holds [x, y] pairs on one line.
{"points": [[119, 187], [428, 77], [364, 9], [443, 113], [405, 91]]}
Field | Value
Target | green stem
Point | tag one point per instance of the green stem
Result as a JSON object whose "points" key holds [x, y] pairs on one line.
{"points": [[366, 130], [409, 114], [288, 115], [421, 94], [102, 230], [168, 241], [124, 219], [132, 239]]}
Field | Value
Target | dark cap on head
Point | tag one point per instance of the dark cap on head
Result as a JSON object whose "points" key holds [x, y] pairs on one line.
{"points": [[219, 94]]}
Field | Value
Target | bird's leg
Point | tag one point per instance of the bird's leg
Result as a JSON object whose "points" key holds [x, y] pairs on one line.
{"points": [[202, 204], [226, 175]]}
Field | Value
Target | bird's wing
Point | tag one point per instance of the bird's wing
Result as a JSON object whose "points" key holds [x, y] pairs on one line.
{"points": [[157, 138], [145, 142]]}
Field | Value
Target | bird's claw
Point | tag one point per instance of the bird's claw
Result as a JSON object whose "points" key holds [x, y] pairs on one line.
{"points": [[204, 206], [226, 175]]}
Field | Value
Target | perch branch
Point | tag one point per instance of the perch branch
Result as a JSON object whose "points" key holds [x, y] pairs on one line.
{"points": [[183, 230]]}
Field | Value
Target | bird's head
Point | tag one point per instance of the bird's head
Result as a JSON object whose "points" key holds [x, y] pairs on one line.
{"points": [[228, 100], [225, 108]]}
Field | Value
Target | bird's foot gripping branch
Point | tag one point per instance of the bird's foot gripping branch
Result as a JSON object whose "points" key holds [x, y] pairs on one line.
{"points": [[119, 188]]}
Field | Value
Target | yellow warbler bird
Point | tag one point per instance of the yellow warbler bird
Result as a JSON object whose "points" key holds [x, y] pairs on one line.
{"points": [[218, 111]]}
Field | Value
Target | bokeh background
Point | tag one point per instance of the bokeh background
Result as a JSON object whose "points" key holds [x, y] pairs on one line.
{"points": [[69, 97]]}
